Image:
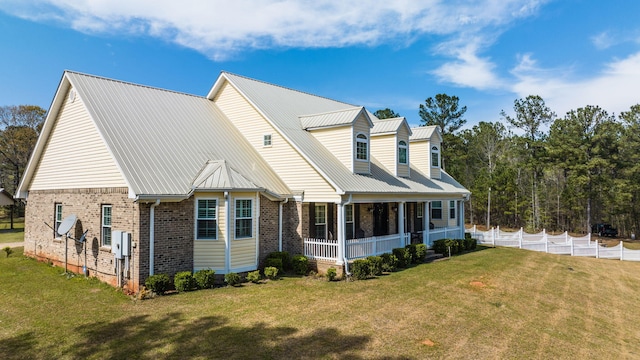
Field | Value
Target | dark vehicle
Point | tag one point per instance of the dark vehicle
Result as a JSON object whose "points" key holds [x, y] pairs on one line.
{"points": [[604, 230]]}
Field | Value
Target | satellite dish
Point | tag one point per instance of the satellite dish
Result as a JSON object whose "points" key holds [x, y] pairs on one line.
{"points": [[83, 237], [67, 224]]}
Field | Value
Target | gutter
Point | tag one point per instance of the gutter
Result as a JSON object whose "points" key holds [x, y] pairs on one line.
{"points": [[152, 219], [280, 205], [227, 235]]}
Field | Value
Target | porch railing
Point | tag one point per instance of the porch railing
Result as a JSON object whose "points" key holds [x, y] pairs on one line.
{"points": [[445, 233], [321, 249], [327, 249]]}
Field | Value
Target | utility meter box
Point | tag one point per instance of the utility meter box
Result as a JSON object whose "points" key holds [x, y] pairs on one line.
{"points": [[126, 244], [116, 244]]}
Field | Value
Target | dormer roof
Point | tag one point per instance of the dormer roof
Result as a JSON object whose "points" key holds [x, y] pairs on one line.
{"points": [[424, 133], [389, 126], [330, 119]]}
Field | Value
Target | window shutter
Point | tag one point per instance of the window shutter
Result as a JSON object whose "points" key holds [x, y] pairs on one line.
{"points": [[312, 220], [356, 218], [330, 221]]}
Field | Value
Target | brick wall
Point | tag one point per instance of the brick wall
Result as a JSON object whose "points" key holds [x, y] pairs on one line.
{"points": [[86, 204], [269, 225]]}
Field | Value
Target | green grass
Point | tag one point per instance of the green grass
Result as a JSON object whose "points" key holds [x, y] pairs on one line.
{"points": [[490, 304], [7, 235]]}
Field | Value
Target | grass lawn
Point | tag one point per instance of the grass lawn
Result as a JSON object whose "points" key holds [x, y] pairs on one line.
{"points": [[489, 304], [9, 236]]}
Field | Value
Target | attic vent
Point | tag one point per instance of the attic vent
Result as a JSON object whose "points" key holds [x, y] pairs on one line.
{"points": [[72, 95]]}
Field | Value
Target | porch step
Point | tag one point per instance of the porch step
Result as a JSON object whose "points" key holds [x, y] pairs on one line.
{"points": [[432, 256]]}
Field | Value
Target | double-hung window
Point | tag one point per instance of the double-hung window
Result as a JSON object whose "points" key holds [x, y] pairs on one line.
{"points": [[348, 214], [57, 219], [362, 147], [402, 152], [452, 209], [435, 156], [244, 218], [321, 221], [266, 140], [206, 219], [436, 210], [419, 210], [106, 225]]}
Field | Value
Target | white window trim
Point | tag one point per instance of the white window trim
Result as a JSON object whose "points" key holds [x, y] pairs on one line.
{"points": [[419, 210], [347, 221], [433, 203], [236, 218], [452, 209], [56, 222], [195, 225], [264, 140], [435, 149], [406, 150], [104, 226], [367, 142], [315, 224]]}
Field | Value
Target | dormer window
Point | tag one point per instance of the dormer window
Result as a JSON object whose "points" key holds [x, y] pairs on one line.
{"points": [[362, 147], [435, 157], [402, 152]]}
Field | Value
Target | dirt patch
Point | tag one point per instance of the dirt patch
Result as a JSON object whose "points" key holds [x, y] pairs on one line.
{"points": [[428, 342], [477, 284]]}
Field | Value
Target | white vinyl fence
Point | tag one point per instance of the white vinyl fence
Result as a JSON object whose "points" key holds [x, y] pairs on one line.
{"points": [[553, 244]]}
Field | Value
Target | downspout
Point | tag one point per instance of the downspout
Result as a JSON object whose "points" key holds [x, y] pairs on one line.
{"points": [[152, 234], [227, 232], [280, 205], [343, 238]]}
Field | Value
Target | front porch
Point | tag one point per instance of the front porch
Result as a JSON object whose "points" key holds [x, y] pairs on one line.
{"points": [[368, 229]]}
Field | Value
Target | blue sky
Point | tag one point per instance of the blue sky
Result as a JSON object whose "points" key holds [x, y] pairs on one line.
{"points": [[373, 53]]}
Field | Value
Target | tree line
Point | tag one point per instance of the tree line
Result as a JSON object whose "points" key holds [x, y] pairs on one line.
{"points": [[535, 170]]}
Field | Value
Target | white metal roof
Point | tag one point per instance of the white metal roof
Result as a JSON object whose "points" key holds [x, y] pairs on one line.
{"points": [[387, 126], [282, 107], [424, 133], [161, 139], [330, 119]]}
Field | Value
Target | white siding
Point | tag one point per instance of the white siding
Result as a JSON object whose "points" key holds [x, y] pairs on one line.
{"points": [[243, 251], [75, 155], [211, 253], [292, 168], [361, 125], [403, 135], [419, 156], [338, 140], [384, 148]]}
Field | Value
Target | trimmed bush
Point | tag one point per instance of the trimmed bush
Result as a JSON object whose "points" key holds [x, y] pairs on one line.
{"points": [[375, 265], [389, 262], [361, 269], [274, 262], [470, 244], [421, 252], [184, 281], [271, 272], [205, 278], [456, 246], [401, 256], [284, 257], [332, 273], [411, 254], [158, 283], [254, 276], [300, 264], [232, 279]]}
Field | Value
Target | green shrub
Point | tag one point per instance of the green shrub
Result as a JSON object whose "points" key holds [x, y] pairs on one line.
{"points": [[411, 254], [184, 281], [421, 252], [375, 265], [271, 272], [469, 244], [205, 278], [332, 273], [401, 256], [284, 257], [300, 264], [158, 283], [361, 269], [8, 250], [389, 262], [440, 247], [232, 279], [274, 262], [254, 276], [467, 235], [455, 245]]}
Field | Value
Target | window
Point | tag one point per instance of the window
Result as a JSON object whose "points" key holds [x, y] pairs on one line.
{"points": [[321, 221], [348, 214], [266, 140], [436, 210], [402, 152], [57, 219], [362, 147], [452, 209], [206, 219], [435, 156], [419, 210], [244, 218], [106, 225]]}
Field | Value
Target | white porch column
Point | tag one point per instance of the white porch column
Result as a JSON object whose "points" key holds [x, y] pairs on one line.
{"points": [[426, 219], [461, 218], [341, 220], [401, 223]]}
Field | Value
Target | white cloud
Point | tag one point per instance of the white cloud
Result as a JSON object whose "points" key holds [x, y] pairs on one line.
{"points": [[614, 89], [219, 29]]}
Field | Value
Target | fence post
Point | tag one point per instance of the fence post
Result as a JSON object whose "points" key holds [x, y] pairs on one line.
{"points": [[571, 246], [546, 243], [597, 250], [566, 237], [520, 239], [493, 237], [621, 250]]}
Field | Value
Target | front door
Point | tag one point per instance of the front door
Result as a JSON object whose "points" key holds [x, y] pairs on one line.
{"points": [[380, 219]]}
